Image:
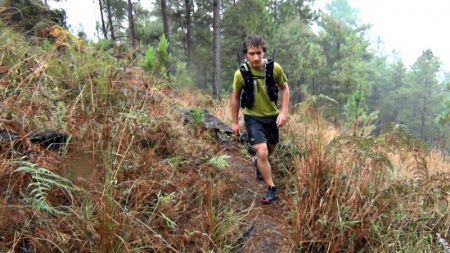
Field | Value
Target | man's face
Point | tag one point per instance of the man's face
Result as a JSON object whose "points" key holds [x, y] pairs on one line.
{"points": [[255, 56]]}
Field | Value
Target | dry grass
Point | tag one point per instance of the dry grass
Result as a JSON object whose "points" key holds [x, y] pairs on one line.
{"points": [[149, 182], [359, 193], [144, 192], [363, 193], [143, 180]]}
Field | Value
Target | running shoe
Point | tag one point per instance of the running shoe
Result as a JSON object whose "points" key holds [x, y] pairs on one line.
{"points": [[270, 195]]}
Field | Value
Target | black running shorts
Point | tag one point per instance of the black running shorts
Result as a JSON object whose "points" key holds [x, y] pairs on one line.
{"points": [[262, 129]]}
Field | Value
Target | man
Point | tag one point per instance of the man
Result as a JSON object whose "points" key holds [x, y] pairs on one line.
{"points": [[262, 117]]}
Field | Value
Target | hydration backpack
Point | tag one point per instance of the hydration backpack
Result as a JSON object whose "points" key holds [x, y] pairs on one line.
{"points": [[248, 90]]}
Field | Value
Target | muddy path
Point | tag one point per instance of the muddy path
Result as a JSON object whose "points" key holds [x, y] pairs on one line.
{"points": [[268, 226]]}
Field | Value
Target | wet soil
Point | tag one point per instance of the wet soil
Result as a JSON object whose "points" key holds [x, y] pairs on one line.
{"points": [[268, 226]]}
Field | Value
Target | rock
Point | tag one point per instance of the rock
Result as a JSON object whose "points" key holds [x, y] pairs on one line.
{"points": [[212, 121], [50, 139], [209, 121]]}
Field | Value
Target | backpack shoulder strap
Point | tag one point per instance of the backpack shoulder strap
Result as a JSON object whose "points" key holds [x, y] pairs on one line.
{"points": [[247, 75], [247, 87], [271, 87], [270, 79]]}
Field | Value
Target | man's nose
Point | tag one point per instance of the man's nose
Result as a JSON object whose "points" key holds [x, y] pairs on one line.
{"points": [[256, 56]]}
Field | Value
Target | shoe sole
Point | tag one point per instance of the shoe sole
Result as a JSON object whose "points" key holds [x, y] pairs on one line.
{"points": [[266, 201]]}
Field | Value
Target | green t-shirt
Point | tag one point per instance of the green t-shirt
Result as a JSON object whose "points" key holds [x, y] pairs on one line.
{"points": [[262, 105]]}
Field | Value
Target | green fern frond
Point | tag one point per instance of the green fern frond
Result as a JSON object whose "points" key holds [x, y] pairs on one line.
{"points": [[41, 204], [44, 181], [325, 98], [219, 162]]}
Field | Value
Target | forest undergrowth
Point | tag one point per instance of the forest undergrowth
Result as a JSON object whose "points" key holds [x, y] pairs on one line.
{"points": [[136, 176]]}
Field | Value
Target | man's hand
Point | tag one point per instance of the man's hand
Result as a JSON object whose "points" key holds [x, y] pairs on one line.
{"points": [[282, 116], [281, 119], [235, 128]]}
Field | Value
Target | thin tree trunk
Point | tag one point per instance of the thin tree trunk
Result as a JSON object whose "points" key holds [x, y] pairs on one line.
{"points": [[131, 24], [216, 49], [188, 32], [165, 20], [423, 115], [110, 21], [166, 30], [105, 33], [423, 119]]}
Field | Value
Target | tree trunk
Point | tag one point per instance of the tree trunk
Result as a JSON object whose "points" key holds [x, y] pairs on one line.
{"points": [[188, 32], [423, 115], [131, 23], [166, 31], [110, 21], [105, 33], [165, 20], [216, 48]]}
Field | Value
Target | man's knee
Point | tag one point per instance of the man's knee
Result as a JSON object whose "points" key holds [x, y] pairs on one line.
{"points": [[261, 149]]}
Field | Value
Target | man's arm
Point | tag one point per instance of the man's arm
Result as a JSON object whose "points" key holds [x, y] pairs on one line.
{"points": [[235, 104], [282, 117]]}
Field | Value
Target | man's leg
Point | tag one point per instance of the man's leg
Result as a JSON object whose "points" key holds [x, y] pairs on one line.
{"points": [[272, 148], [262, 154]]}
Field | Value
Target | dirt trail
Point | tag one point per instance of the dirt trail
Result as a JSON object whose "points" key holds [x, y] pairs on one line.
{"points": [[268, 229]]}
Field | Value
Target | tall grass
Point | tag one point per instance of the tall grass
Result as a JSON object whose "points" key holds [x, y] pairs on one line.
{"points": [[350, 193], [157, 185], [160, 184]]}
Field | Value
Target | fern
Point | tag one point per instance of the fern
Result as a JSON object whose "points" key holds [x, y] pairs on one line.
{"points": [[219, 162], [420, 168], [44, 181]]}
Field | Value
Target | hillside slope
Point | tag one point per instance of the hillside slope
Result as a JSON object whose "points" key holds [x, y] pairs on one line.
{"points": [[142, 172]]}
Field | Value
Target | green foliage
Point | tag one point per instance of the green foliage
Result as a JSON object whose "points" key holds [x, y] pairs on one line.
{"points": [[65, 84], [158, 60], [149, 59], [223, 221], [104, 45], [55, 64], [388, 93], [27, 15], [181, 78], [175, 162], [355, 107], [444, 116], [423, 96], [219, 162], [342, 12], [147, 29], [349, 185], [44, 182], [236, 28], [46, 44], [347, 55], [355, 110], [197, 116]]}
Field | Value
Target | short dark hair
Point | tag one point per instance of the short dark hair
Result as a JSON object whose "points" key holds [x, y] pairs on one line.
{"points": [[254, 41]]}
